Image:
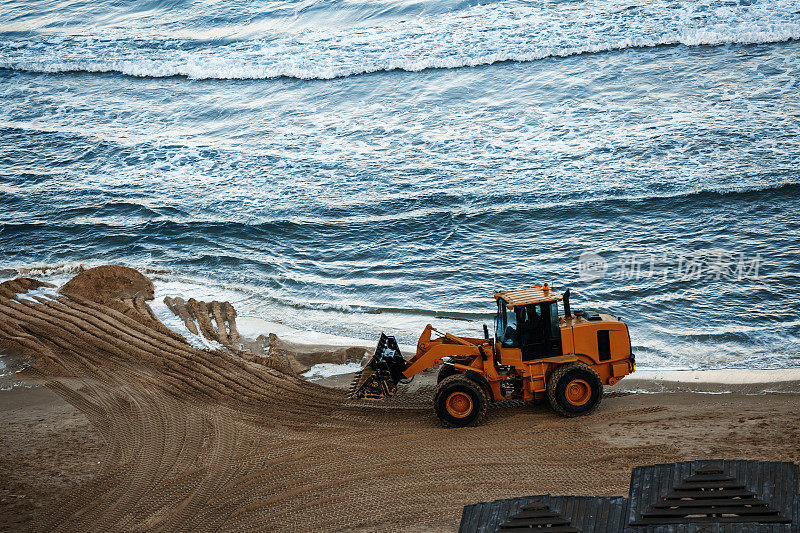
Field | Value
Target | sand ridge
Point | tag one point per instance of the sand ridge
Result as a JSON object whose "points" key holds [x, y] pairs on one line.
{"points": [[223, 440]]}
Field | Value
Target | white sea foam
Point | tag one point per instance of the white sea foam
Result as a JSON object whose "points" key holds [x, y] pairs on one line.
{"points": [[477, 36], [47, 293], [199, 66], [325, 370], [726, 377], [252, 327], [57, 273]]}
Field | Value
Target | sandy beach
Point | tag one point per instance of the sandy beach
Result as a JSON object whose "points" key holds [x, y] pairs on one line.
{"points": [[114, 422]]}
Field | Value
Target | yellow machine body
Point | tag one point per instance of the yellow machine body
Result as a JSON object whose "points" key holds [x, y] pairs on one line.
{"points": [[537, 352], [507, 373]]}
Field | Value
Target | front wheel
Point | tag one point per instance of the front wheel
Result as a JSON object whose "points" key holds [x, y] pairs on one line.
{"points": [[459, 401], [574, 389]]}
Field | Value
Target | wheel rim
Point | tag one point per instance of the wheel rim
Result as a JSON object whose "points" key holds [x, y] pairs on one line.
{"points": [[459, 404], [578, 392]]}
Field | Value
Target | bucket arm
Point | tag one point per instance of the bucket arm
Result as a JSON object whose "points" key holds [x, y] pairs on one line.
{"points": [[434, 353]]}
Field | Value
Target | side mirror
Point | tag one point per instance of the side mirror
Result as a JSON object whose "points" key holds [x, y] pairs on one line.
{"points": [[486, 332]]}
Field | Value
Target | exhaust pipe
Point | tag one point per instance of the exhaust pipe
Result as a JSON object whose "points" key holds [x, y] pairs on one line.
{"points": [[567, 310]]}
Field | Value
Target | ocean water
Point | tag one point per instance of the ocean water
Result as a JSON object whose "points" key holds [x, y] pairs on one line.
{"points": [[351, 167]]}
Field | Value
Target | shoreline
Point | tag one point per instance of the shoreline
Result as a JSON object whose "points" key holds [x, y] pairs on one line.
{"points": [[643, 380], [727, 381]]}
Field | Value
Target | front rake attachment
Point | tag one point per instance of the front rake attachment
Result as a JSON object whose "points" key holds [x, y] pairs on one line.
{"points": [[379, 378]]}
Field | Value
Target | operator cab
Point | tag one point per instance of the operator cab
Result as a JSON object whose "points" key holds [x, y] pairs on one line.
{"points": [[528, 319]]}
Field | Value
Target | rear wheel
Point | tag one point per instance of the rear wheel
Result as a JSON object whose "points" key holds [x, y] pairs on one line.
{"points": [[574, 389], [459, 401]]}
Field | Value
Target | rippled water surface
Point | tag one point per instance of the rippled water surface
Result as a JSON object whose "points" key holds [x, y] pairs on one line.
{"points": [[352, 167]]}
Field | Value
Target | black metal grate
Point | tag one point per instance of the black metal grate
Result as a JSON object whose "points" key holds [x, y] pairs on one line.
{"points": [[710, 496], [538, 517]]}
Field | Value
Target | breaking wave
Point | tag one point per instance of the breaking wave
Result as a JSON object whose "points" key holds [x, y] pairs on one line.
{"points": [[470, 36], [59, 269], [210, 65]]}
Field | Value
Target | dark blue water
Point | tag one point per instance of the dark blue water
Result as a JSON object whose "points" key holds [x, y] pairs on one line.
{"points": [[352, 167]]}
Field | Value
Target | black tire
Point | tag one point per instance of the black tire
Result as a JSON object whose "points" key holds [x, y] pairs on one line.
{"points": [[459, 401], [574, 390], [445, 372]]}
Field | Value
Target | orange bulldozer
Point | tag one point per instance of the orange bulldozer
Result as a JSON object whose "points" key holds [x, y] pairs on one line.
{"points": [[536, 354]]}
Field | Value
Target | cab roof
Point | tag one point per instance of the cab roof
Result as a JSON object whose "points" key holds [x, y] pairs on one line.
{"points": [[531, 295]]}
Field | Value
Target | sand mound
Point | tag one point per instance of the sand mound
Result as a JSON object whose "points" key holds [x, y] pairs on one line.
{"points": [[9, 289], [121, 288], [216, 321], [110, 282], [283, 358], [301, 357]]}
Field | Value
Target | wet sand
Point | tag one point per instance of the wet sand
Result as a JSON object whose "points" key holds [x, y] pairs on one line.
{"points": [[117, 424]]}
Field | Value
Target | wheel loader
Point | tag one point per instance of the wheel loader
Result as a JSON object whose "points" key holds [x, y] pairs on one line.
{"points": [[536, 354]]}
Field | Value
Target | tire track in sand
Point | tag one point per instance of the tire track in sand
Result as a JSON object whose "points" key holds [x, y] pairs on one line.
{"points": [[212, 441]]}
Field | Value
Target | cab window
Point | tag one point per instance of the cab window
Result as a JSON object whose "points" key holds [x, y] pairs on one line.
{"points": [[506, 324], [555, 330]]}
